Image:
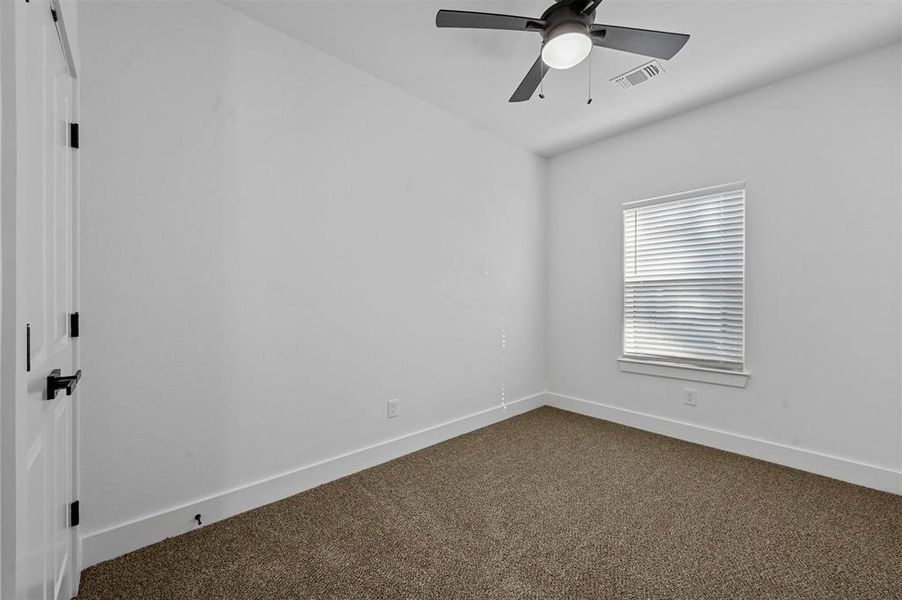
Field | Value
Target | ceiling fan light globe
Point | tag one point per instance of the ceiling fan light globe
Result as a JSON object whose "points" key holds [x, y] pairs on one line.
{"points": [[566, 50]]}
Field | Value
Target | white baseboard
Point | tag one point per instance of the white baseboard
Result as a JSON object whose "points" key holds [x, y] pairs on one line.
{"points": [[844, 469], [105, 544]]}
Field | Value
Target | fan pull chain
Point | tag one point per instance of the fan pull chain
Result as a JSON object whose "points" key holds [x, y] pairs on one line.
{"points": [[589, 62], [542, 80]]}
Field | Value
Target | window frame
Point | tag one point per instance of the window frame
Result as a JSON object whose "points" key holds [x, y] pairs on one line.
{"points": [[674, 367]]}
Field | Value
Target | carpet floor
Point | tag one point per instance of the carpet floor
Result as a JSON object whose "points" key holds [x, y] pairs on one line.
{"points": [[545, 505]]}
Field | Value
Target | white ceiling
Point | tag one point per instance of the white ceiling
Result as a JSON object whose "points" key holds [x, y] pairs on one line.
{"points": [[736, 45]]}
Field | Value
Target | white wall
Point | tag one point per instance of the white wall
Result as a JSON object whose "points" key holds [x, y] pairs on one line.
{"points": [[274, 245], [821, 157]]}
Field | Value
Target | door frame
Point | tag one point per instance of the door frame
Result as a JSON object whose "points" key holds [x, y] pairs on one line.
{"points": [[12, 332]]}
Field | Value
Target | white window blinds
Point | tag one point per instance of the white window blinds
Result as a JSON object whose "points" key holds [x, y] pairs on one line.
{"points": [[684, 278]]}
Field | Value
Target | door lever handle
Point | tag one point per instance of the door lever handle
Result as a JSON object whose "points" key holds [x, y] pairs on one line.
{"points": [[56, 382]]}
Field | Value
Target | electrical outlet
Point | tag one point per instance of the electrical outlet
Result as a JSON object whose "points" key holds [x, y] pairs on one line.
{"points": [[393, 408], [688, 397]]}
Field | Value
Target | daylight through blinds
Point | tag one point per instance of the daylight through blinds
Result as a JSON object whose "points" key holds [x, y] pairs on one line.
{"points": [[683, 279]]}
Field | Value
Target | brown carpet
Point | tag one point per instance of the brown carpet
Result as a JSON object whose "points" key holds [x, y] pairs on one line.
{"points": [[545, 505]]}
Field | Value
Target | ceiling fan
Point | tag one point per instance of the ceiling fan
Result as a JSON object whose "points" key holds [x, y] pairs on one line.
{"points": [[568, 32]]}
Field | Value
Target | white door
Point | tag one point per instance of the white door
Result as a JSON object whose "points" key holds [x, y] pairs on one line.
{"points": [[45, 428]]}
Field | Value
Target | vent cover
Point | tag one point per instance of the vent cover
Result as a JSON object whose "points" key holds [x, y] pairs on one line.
{"points": [[638, 75]]}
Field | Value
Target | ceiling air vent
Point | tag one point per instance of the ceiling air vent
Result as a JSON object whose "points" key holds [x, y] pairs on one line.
{"points": [[638, 75]]}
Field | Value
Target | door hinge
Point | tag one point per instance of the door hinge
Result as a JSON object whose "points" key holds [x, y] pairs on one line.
{"points": [[73, 325], [28, 347], [73, 135], [73, 514]]}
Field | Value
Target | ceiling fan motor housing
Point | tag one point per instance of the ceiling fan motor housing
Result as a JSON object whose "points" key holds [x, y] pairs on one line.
{"points": [[566, 17]]}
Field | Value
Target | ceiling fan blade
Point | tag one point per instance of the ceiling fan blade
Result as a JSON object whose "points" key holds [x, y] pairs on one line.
{"points": [[480, 20], [659, 44], [591, 5], [532, 80]]}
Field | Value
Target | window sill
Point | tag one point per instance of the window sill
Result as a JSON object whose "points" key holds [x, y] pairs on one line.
{"points": [[676, 371]]}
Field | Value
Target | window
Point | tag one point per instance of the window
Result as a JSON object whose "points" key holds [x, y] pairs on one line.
{"points": [[684, 279]]}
